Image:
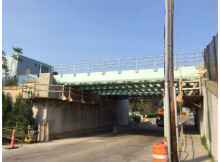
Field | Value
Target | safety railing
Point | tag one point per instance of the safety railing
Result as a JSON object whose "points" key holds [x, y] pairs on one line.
{"points": [[70, 94], [150, 62]]}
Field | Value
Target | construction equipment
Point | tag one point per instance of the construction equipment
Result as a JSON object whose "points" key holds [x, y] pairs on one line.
{"points": [[31, 135], [160, 118]]}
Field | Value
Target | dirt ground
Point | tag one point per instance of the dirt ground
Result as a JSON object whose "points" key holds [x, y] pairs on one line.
{"points": [[133, 145]]}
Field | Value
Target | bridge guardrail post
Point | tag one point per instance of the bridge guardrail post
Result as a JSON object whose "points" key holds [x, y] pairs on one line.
{"points": [[197, 59], [74, 70], [175, 64], [88, 69], [119, 66], [136, 65], [155, 64], [103, 68], [61, 72]]}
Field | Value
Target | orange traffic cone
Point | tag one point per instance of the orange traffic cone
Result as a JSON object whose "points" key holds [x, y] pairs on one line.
{"points": [[13, 138]]}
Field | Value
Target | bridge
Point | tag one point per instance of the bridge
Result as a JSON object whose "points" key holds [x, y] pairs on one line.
{"points": [[88, 96], [128, 78]]}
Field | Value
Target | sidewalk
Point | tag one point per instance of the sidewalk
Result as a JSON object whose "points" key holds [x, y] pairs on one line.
{"points": [[192, 149]]}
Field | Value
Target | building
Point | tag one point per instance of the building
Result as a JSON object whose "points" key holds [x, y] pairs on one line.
{"points": [[24, 66]]}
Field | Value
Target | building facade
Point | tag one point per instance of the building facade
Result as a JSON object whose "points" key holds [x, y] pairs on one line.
{"points": [[24, 66]]}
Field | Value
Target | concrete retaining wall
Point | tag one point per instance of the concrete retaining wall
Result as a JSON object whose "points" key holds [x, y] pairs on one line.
{"points": [[207, 117]]}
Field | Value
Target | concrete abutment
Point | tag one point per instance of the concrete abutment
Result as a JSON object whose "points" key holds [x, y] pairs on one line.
{"points": [[66, 118]]}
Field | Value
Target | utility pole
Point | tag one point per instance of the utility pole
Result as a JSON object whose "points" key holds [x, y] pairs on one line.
{"points": [[172, 109], [169, 96]]}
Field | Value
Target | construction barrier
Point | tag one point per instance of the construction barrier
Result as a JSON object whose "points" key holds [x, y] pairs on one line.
{"points": [[160, 153], [13, 138]]}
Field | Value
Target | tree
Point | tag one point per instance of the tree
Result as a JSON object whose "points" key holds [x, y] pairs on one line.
{"points": [[4, 65], [6, 107], [11, 81], [135, 107], [22, 113]]}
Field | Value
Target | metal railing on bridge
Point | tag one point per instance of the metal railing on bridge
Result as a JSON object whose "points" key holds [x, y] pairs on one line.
{"points": [[149, 62]]}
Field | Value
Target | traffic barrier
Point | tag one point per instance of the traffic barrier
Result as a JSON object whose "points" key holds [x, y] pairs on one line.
{"points": [[160, 153], [13, 138]]}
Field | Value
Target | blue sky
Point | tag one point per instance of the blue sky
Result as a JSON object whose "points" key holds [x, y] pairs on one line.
{"points": [[71, 31]]}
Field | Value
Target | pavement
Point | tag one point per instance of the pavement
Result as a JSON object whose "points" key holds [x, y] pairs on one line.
{"points": [[192, 149], [132, 145]]}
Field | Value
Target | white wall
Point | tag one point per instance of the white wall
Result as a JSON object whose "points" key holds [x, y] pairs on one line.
{"points": [[208, 116]]}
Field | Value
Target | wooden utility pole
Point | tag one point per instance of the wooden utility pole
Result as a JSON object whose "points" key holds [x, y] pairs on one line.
{"points": [[171, 95]]}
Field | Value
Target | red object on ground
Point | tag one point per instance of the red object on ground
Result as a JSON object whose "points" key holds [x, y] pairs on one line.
{"points": [[160, 153], [13, 138]]}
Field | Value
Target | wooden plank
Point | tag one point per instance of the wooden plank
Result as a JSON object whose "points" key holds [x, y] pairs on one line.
{"points": [[190, 88], [193, 81], [201, 72], [194, 90]]}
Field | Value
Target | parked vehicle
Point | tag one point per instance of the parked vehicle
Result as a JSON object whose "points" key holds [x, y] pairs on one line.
{"points": [[160, 118]]}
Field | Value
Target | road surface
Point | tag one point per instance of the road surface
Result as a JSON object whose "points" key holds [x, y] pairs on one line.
{"points": [[134, 145]]}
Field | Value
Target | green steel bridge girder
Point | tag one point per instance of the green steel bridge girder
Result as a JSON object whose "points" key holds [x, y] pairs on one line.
{"points": [[130, 83]]}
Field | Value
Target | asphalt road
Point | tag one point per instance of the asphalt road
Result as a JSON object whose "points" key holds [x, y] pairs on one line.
{"points": [[134, 145]]}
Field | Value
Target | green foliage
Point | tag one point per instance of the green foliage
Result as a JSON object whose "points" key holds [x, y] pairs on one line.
{"points": [[203, 140], [6, 107], [18, 50], [142, 113], [152, 115], [135, 108], [19, 114], [11, 81], [135, 118], [145, 105], [22, 113]]}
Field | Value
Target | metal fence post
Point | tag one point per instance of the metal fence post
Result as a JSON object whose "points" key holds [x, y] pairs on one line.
{"points": [[88, 69], [197, 59], [61, 71], [119, 67], [103, 68], [175, 64], [74, 70], [155, 63], [136, 65]]}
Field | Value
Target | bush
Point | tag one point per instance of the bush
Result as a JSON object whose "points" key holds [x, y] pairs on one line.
{"points": [[152, 115], [135, 118], [19, 114], [23, 115], [6, 107], [142, 113]]}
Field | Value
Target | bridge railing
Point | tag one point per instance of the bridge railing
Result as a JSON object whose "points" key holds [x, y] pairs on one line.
{"points": [[150, 62]]}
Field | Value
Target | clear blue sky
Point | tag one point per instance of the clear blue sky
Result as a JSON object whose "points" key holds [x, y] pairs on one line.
{"points": [[71, 31]]}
